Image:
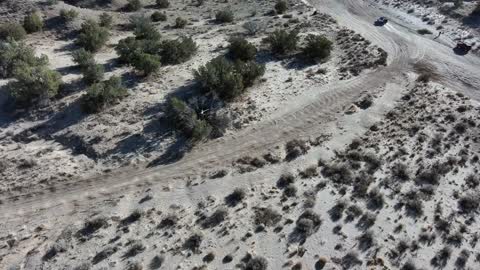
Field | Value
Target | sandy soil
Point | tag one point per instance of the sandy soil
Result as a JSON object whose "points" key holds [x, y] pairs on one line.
{"points": [[389, 164]]}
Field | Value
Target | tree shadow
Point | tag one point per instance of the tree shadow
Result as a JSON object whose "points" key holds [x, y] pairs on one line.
{"points": [[471, 21]]}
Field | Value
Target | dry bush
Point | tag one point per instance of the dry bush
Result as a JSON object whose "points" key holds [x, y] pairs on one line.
{"points": [[266, 216], [235, 197], [296, 148]]}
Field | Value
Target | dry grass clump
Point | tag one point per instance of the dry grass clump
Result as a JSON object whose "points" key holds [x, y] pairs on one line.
{"points": [[215, 219], [193, 242], [266, 216], [295, 148]]}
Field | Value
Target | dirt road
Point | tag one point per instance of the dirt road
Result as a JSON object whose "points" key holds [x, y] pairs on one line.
{"points": [[404, 47]]}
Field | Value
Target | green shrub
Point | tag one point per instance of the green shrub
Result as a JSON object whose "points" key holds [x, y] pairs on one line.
{"points": [[163, 3], [224, 16], [180, 22], [249, 71], [282, 42], [158, 16], [128, 48], [13, 54], [33, 83], [144, 29], [92, 36], [13, 31], [106, 20], [33, 22], [68, 15], [146, 63], [281, 6], [241, 49], [134, 5], [177, 51], [83, 58], [103, 94], [317, 47], [226, 79], [186, 120], [93, 73]]}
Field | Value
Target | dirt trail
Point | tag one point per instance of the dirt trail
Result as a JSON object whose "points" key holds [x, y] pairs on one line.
{"points": [[401, 42]]}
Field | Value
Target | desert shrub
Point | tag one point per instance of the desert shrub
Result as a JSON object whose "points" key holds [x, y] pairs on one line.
{"points": [[290, 190], [366, 221], [83, 58], [308, 223], [93, 73], [92, 226], [144, 29], [177, 51], [350, 260], [33, 83], [13, 31], [336, 212], [163, 3], [33, 22], [285, 180], [469, 203], [92, 36], [226, 79], [13, 54], [462, 259], [224, 16], [317, 47], [157, 262], [127, 49], [68, 15], [281, 6], [146, 63], [296, 148], [375, 199], [424, 31], [352, 212], [215, 219], [193, 242], [249, 71], [366, 240], [282, 42], [235, 197], [256, 263], [180, 22], [103, 94], [400, 171], [133, 5], [266, 216], [106, 20], [134, 249], [186, 120], [168, 222], [241, 49], [441, 258], [252, 27], [339, 174], [158, 16], [428, 177]]}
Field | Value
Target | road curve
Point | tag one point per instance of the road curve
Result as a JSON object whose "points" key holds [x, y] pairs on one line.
{"points": [[401, 42]]}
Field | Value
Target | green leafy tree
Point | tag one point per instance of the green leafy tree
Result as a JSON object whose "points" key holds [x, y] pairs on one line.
{"points": [[92, 36], [32, 83], [13, 31], [33, 22], [241, 49], [177, 51], [103, 94]]}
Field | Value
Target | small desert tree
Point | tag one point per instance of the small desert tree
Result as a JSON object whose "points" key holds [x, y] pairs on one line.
{"points": [[186, 120], [317, 47], [146, 63], [180, 22], [241, 49], [33, 22], [177, 51], [92, 72], [92, 36], [13, 54], [282, 42], [33, 83], [13, 31], [106, 20], [103, 94], [144, 29], [158, 16]]}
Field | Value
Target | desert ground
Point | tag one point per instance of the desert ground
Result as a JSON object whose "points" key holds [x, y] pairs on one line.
{"points": [[365, 159]]}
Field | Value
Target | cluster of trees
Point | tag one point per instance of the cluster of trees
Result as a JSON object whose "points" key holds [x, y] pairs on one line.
{"points": [[32, 22], [146, 51], [316, 47], [32, 80]]}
